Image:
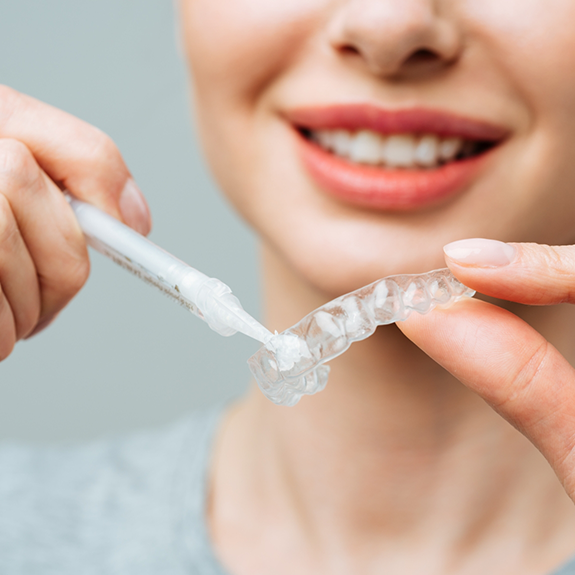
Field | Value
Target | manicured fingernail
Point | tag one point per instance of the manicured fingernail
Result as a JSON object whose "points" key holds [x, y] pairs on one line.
{"points": [[481, 253], [134, 208]]}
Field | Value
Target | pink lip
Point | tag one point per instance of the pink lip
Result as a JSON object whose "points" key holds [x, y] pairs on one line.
{"points": [[389, 189], [414, 120]]}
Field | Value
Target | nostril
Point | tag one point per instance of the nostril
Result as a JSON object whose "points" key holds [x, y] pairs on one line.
{"points": [[349, 49], [422, 56]]}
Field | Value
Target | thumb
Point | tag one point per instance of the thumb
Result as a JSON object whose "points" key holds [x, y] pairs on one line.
{"points": [[504, 360]]}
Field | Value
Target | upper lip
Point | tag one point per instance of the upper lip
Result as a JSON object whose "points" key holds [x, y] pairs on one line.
{"points": [[355, 117]]}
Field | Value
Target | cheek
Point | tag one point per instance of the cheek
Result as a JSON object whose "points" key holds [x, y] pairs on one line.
{"points": [[527, 30], [532, 43], [236, 51], [237, 47]]}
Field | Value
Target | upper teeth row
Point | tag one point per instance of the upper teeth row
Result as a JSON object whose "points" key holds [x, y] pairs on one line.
{"points": [[396, 151]]}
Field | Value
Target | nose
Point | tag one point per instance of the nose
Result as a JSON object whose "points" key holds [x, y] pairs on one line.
{"points": [[396, 38]]}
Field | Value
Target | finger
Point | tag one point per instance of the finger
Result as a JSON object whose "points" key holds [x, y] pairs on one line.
{"points": [[42, 325], [76, 155], [512, 367], [524, 273], [17, 275], [7, 328], [47, 225]]}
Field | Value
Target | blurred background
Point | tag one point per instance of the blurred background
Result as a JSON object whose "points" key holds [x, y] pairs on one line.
{"points": [[122, 356]]}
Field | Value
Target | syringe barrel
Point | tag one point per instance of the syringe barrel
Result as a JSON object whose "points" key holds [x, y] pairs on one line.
{"points": [[208, 298], [143, 258]]}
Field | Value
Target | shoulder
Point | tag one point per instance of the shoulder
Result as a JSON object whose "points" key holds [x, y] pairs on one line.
{"points": [[111, 497]]}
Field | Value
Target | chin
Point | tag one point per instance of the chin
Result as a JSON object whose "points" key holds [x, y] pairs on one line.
{"points": [[339, 257]]}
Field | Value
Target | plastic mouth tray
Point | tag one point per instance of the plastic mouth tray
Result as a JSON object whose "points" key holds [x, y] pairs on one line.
{"points": [[291, 364]]}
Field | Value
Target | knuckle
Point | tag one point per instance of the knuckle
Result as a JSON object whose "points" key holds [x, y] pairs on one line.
{"points": [[66, 274], [61, 283], [9, 232], [17, 165], [58, 288], [80, 273], [75, 276], [558, 263], [555, 258], [105, 159], [103, 148], [527, 376]]}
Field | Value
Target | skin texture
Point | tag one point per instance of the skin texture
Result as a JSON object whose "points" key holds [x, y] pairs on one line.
{"points": [[406, 449], [396, 454]]}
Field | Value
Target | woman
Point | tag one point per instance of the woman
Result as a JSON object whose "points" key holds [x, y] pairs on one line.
{"points": [[358, 137]]}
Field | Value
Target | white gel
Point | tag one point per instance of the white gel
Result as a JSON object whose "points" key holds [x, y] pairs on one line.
{"points": [[291, 363], [288, 350]]}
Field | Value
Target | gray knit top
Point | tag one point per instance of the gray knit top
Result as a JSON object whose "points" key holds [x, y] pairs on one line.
{"points": [[128, 506]]}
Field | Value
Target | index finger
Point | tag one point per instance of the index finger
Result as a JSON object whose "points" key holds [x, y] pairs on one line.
{"points": [[526, 273], [76, 155]]}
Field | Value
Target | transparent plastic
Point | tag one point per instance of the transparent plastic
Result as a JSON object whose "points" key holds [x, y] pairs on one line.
{"points": [[291, 364]]}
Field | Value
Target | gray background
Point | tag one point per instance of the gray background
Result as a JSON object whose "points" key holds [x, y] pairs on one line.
{"points": [[121, 355]]}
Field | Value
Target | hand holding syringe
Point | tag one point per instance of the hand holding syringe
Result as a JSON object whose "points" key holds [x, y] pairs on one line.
{"points": [[206, 297]]}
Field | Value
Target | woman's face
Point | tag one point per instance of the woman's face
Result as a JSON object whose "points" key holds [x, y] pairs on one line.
{"points": [[360, 136]]}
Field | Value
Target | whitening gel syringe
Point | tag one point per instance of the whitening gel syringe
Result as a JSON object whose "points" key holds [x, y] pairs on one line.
{"points": [[208, 298]]}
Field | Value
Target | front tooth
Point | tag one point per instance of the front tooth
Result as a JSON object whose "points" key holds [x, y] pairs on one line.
{"points": [[341, 141], [427, 150], [449, 148], [325, 139], [365, 147], [399, 151]]}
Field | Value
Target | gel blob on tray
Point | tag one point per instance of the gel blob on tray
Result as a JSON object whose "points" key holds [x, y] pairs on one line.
{"points": [[291, 364]]}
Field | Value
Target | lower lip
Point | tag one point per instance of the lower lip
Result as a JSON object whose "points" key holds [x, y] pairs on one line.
{"points": [[382, 189]]}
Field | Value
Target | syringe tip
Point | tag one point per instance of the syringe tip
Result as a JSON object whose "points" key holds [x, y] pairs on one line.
{"points": [[224, 314]]}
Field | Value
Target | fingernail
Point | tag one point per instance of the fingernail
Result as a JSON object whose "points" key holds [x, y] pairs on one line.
{"points": [[481, 253], [134, 208]]}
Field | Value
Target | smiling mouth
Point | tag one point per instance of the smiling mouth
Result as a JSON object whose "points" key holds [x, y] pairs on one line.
{"points": [[392, 159], [396, 151]]}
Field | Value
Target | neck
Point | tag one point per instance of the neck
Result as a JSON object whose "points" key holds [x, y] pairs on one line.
{"points": [[394, 452]]}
